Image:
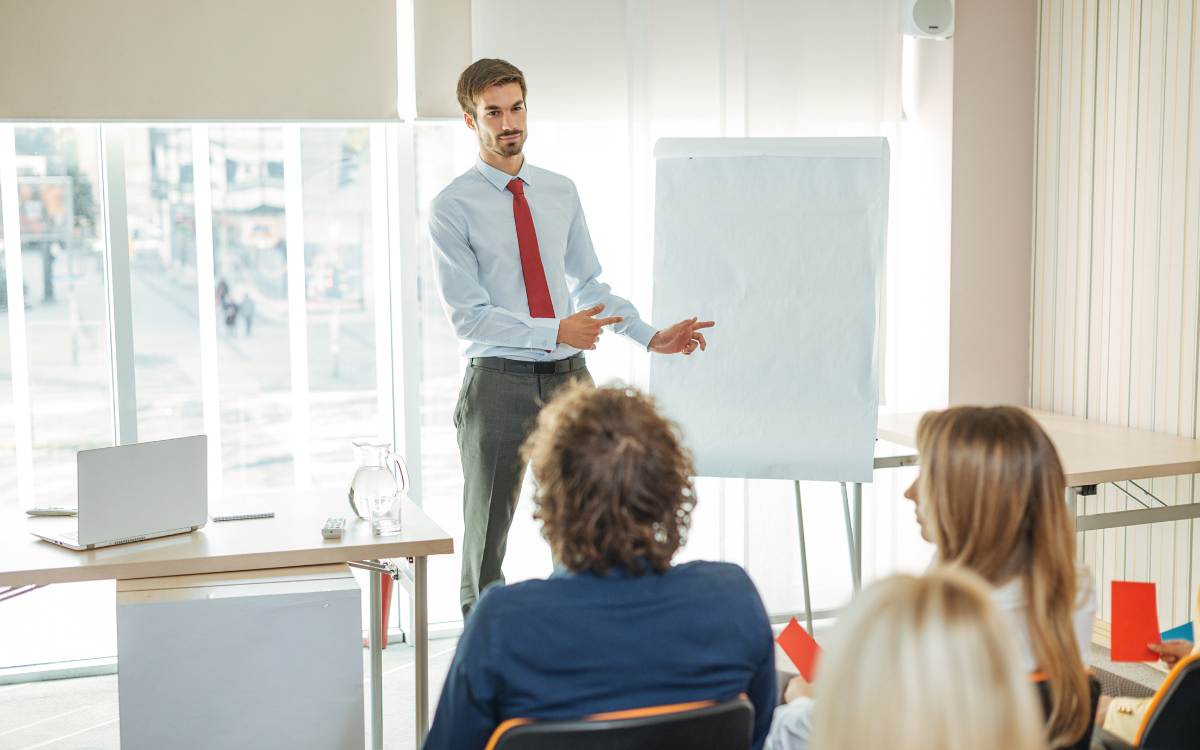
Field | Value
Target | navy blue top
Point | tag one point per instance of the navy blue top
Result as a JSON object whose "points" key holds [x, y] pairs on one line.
{"points": [[579, 644]]}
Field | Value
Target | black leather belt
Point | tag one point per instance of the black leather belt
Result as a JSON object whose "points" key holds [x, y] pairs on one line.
{"points": [[550, 367]]}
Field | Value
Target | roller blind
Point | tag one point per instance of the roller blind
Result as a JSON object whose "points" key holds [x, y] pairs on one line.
{"points": [[147, 60], [442, 46]]}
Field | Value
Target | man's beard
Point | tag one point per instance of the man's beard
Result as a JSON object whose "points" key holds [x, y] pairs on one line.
{"points": [[507, 149]]}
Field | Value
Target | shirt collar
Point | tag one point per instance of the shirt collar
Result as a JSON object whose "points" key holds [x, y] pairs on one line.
{"points": [[500, 179]]}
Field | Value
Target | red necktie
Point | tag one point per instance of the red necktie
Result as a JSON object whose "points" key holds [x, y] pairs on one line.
{"points": [[536, 290]]}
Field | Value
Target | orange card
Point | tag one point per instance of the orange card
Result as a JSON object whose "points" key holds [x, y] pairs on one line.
{"points": [[1134, 621], [800, 648]]}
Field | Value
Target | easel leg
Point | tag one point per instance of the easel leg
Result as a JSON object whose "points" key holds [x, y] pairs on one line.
{"points": [[803, 559], [849, 530], [858, 537]]}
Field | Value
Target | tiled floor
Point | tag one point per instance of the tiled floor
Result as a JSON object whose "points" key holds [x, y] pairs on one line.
{"points": [[81, 714]]}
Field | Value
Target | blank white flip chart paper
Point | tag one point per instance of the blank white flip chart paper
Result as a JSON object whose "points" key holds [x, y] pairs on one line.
{"points": [[781, 242]]}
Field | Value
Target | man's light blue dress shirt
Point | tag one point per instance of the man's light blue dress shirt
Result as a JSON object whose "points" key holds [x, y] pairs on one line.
{"points": [[478, 264]]}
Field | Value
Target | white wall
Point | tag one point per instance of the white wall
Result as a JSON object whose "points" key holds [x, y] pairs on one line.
{"points": [[1116, 262], [994, 56]]}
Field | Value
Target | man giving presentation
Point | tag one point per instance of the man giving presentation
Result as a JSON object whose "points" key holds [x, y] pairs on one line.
{"points": [[520, 281]]}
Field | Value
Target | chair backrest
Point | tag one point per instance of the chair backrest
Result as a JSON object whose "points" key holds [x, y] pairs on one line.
{"points": [[1084, 741], [693, 726], [1173, 717]]}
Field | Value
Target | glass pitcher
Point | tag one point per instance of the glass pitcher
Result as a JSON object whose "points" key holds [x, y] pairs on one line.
{"points": [[378, 484]]}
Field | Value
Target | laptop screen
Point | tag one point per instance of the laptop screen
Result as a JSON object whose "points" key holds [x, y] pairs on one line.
{"points": [[142, 488]]}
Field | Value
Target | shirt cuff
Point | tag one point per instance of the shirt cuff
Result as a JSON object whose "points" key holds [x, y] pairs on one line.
{"points": [[641, 332], [544, 334]]}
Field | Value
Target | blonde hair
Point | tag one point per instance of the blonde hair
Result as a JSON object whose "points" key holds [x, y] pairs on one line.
{"points": [[992, 491], [924, 664]]}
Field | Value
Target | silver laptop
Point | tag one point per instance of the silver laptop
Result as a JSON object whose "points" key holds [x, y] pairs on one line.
{"points": [[138, 491]]}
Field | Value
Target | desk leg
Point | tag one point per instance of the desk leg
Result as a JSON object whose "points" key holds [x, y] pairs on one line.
{"points": [[376, 654], [808, 613], [421, 644], [1073, 509]]}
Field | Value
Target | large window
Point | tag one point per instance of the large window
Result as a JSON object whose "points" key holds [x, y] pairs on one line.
{"points": [[160, 196], [268, 331], [59, 358], [346, 337], [62, 255], [250, 246]]}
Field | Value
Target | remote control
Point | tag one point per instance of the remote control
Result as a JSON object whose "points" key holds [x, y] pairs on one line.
{"points": [[333, 528], [52, 511]]}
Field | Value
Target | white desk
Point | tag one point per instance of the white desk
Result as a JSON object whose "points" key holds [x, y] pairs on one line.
{"points": [[1093, 453], [291, 539]]}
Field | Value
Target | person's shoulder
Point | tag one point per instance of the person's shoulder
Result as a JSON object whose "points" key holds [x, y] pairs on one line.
{"points": [[719, 575], [1085, 590], [458, 187], [1009, 596], [540, 176], [726, 586], [505, 600]]}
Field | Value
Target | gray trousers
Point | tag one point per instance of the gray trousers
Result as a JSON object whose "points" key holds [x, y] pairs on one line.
{"points": [[495, 413]]}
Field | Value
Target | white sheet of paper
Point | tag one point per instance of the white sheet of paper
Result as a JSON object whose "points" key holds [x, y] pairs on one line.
{"points": [[781, 242]]}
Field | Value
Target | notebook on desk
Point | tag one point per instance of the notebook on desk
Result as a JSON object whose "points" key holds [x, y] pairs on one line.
{"points": [[133, 492]]}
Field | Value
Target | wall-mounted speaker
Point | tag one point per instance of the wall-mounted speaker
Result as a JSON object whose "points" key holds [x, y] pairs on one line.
{"points": [[927, 19]]}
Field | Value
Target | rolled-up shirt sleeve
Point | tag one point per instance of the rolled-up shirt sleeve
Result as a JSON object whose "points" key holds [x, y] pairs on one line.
{"points": [[464, 298], [583, 274]]}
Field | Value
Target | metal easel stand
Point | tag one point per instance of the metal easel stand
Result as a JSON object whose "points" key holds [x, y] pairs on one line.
{"points": [[852, 513]]}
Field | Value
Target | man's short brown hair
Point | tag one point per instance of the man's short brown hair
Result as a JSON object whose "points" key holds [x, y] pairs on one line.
{"points": [[483, 74], [614, 485]]}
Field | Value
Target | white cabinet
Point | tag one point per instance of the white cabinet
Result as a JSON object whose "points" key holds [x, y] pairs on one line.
{"points": [[261, 659]]}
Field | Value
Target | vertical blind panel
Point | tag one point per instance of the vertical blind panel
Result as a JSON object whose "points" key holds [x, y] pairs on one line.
{"points": [[140, 60], [1116, 335]]}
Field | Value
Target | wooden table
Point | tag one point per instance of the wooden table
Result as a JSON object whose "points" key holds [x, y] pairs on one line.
{"points": [[291, 539], [1093, 453]]}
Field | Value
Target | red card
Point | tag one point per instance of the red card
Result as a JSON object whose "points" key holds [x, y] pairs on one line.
{"points": [[800, 648], [1134, 621]]}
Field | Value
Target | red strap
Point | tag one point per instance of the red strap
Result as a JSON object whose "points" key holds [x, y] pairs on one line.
{"points": [[536, 290]]}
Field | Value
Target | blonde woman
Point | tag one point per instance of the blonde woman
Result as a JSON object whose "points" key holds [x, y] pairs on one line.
{"points": [[990, 497], [878, 691]]}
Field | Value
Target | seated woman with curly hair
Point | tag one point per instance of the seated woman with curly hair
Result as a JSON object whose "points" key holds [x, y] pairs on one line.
{"points": [[617, 626]]}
